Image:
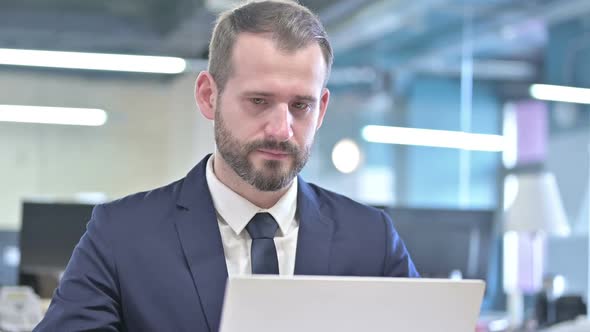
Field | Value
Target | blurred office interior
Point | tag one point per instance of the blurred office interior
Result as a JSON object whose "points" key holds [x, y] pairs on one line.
{"points": [[452, 67]]}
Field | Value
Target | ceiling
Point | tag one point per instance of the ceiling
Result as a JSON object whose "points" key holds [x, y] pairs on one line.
{"points": [[507, 36], [157, 27]]}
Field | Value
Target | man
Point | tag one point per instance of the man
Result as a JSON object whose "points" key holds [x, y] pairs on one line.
{"points": [[159, 260]]}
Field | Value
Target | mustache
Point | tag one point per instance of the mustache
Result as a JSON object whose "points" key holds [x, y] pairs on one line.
{"points": [[286, 146]]}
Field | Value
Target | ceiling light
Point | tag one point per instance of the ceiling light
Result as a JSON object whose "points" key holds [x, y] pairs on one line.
{"points": [[566, 94], [346, 156], [53, 115], [92, 61], [434, 138]]}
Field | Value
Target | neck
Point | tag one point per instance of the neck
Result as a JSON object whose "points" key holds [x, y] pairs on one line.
{"points": [[227, 176]]}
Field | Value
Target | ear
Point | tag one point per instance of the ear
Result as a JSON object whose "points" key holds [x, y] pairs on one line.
{"points": [[206, 94], [324, 100]]}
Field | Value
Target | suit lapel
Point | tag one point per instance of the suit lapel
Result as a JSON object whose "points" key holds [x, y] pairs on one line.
{"points": [[314, 240], [198, 232]]}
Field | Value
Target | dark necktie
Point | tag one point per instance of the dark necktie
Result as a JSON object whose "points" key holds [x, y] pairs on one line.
{"points": [[262, 229]]}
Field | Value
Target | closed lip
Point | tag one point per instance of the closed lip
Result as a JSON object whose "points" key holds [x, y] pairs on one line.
{"points": [[277, 153]]}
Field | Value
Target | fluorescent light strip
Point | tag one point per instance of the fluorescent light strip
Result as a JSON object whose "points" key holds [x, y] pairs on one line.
{"points": [[566, 94], [53, 115], [92, 61], [433, 138]]}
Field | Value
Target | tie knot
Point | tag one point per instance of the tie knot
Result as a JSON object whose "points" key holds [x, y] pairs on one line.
{"points": [[262, 226]]}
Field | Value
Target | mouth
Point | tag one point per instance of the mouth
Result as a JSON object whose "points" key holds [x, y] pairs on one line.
{"points": [[273, 154]]}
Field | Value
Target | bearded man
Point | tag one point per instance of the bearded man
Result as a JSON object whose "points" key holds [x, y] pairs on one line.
{"points": [[159, 260]]}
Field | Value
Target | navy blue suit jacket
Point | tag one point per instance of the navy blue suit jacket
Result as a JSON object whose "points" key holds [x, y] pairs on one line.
{"points": [[154, 261]]}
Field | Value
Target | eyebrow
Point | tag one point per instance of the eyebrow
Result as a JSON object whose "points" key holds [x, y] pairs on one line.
{"points": [[306, 98], [310, 99]]}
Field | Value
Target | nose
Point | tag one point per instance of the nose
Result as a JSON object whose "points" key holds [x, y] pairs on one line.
{"points": [[280, 123]]}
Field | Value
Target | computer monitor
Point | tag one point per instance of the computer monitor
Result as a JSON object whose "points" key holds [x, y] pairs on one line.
{"points": [[49, 233], [445, 242]]}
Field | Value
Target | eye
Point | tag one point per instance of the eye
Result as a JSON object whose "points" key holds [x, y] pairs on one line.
{"points": [[258, 101], [301, 106]]}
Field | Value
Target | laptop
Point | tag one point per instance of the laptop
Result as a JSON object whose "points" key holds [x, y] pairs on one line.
{"points": [[350, 304]]}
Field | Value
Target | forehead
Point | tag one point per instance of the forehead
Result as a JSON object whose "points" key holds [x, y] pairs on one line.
{"points": [[257, 56]]}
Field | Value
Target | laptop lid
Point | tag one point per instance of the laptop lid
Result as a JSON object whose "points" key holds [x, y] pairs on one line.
{"points": [[350, 304]]}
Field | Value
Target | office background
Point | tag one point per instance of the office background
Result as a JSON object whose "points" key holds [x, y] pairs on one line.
{"points": [[449, 65]]}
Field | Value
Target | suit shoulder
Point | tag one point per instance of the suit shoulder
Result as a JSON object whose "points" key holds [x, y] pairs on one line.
{"points": [[167, 192], [144, 205], [337, 204]]}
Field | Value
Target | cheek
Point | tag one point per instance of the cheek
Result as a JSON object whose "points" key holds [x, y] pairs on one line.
{"points": [[235, 120], [305, 134]]}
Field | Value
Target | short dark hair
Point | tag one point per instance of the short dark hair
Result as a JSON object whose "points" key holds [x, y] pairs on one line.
{"points": [[291, 25]]}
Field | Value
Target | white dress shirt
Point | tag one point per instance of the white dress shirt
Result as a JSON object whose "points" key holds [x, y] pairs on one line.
{"points": [[233, 214]]}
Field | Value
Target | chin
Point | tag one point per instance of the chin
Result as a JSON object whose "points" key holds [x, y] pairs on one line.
{"points": [[261, 162]]}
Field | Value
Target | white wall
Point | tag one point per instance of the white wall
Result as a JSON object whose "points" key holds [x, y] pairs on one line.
{"points": [[568, 158], [154, 135]]}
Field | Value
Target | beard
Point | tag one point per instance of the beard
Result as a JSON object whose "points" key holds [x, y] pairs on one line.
{"points": [[273, 175]]}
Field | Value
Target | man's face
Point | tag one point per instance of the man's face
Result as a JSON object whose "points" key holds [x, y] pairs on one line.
{"points": [[269, 111]]}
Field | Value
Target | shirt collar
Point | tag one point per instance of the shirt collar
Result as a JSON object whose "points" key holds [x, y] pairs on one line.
{"points": [[237, 211]]}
